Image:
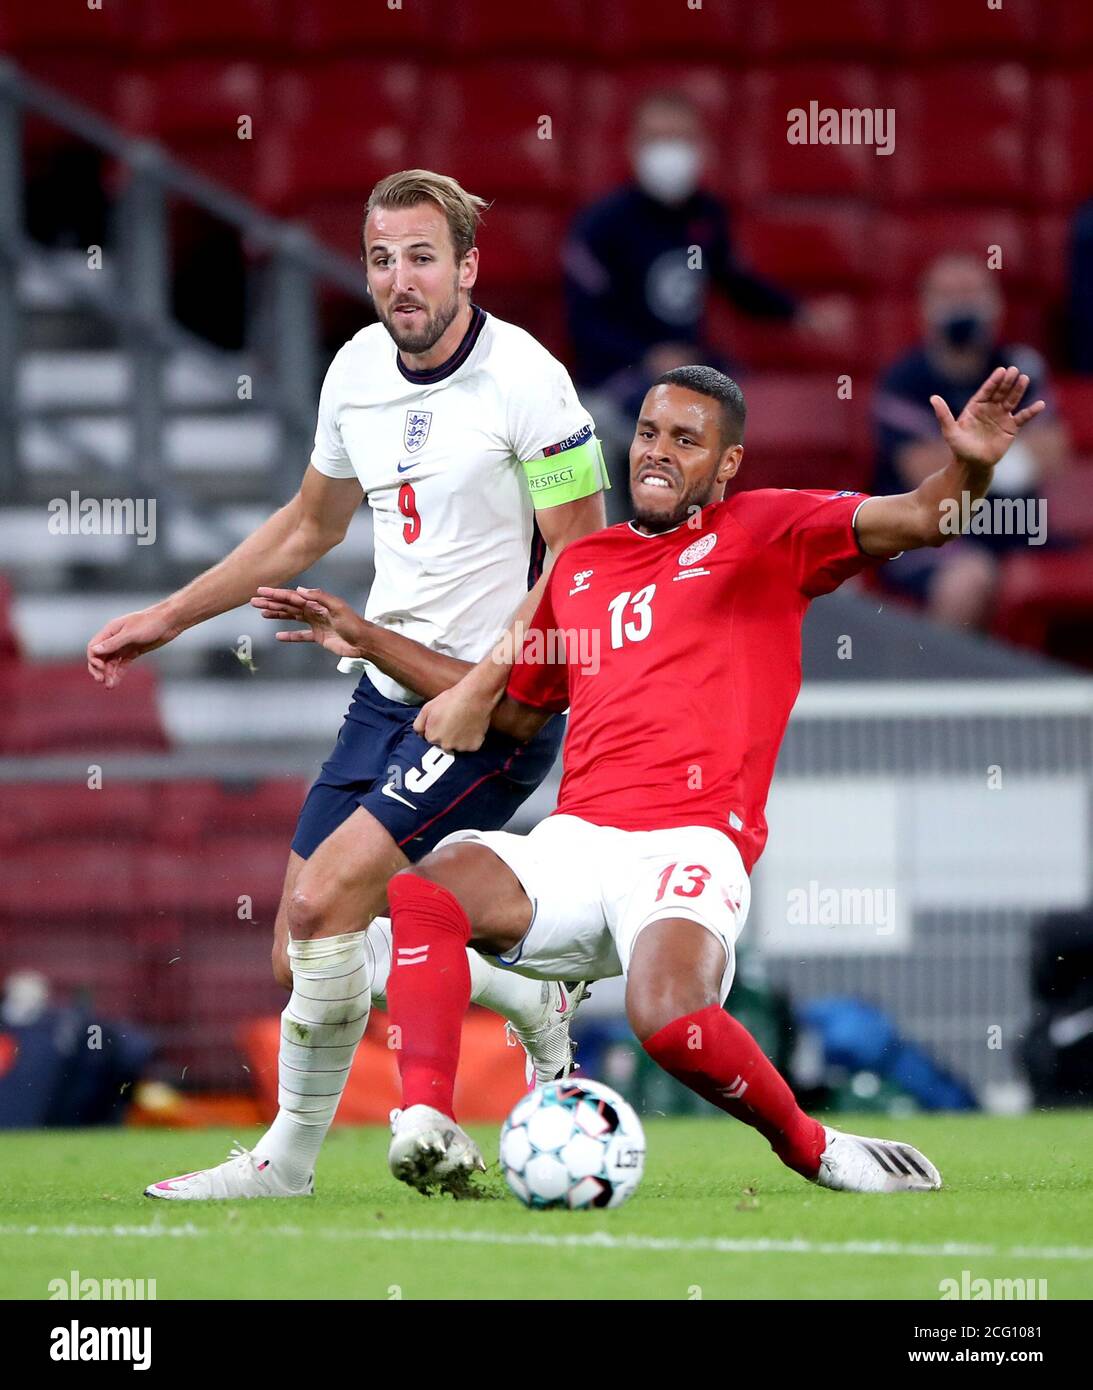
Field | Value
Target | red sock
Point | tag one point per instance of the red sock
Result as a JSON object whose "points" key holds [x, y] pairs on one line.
{"points": [[719, 1059], [429, 989]]}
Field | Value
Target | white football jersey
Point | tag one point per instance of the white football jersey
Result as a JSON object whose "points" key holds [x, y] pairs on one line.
{"points": [[450, 461]]}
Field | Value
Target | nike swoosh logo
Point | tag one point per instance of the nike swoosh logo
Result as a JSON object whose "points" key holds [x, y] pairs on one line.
{"points": [[390, 791], [407, 467]]}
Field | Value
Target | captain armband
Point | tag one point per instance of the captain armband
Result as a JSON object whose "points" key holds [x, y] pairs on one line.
{"points": [[567, 471]]}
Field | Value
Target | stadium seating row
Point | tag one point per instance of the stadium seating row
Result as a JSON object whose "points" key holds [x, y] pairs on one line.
{"points": [[52, 708], [180, 813], [1009, 133], [730, 30], [157, 900], [225, 880]]}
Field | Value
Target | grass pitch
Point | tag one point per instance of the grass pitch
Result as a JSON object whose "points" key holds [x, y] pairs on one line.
{"points": [[716, 1217]]}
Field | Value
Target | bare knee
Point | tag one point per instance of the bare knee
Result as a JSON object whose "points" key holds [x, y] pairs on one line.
{"points": [[651, 1004], [676, 969], [308, 912], [487, 890]]}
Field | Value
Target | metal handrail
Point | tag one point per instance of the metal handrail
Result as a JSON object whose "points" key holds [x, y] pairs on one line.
{"points": [[93, 129], [141, 313]]}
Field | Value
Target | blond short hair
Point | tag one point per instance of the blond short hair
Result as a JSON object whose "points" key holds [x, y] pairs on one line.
{"points": [[410, 187]]}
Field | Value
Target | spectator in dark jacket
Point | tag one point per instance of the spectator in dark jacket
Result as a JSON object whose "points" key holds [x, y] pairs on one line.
{"points": [[1080, 310], [961, 307], [640, 262]]}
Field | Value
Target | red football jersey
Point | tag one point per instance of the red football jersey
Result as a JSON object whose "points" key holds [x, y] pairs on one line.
{"points": [[679, 657]]}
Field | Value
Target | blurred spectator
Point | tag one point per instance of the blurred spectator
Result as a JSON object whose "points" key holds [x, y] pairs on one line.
{"points": [[60, 1065], [638, 264], [961, 309], [1081, 289]]}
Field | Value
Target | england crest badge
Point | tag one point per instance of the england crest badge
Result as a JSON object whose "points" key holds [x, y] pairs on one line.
{"points": [[417, 429]]}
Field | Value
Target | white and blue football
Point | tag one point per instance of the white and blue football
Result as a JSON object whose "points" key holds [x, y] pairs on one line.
{"points": [[574, 1144]]}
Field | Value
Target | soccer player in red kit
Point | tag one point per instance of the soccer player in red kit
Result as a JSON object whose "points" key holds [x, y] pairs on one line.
{"points": [[675, 642]]}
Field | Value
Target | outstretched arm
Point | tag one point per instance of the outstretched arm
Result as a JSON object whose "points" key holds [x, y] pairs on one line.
{"points": [[977, 440], [285, 545], [458, 722], [333, 624]]}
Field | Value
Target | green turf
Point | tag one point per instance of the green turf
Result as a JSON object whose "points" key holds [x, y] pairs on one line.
{"points": [[1010, 1183]]}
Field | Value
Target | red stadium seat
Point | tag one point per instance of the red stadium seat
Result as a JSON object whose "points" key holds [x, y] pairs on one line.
{"points": [[56, 709], [537, 309], [799, 433], [191, 97], [769, 164], [809, 244], [1066, 30], [607, 101], [1025, 320], [208, 26], [950, 28], [184, 809], [906, 243], [839, 28], [1049, 240], [1069, 504], [191, 809], [337, 129], [1062, 169], [71, 811], [1045, 601], [62, 880], [653, 31], [59, 24], [770, 345], [268, 809], [207, 880], [497, 148], [788, 413], [489, 27], [962, 134], [893, 325], [194, 106], [1074, 396], [335, 26], [521, 245], [336, 222], [91, 79], [9, 641]]}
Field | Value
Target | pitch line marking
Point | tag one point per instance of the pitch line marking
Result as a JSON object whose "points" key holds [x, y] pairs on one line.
{"points": [[592, 1240]]}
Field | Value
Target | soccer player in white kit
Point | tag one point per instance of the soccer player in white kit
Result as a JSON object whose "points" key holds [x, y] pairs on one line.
{"points": [[468, 441], [693, 612]]}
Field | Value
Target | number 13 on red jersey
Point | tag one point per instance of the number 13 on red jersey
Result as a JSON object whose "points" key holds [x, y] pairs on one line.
{"points": [[636, 628]]}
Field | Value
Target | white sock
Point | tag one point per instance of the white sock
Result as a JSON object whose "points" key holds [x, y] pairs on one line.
{"points": [[321, 1026], [513, 996]]}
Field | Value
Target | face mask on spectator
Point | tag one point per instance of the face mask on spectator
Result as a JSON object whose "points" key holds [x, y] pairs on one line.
{"points": [[963, 328], [668, 169]]}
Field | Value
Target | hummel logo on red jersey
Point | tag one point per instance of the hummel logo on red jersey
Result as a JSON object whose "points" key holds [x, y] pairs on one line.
{"points": [[580, 579], [735, 1091], [412, 955]]}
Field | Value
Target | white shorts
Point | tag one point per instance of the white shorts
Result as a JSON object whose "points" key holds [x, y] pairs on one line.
{"points": [[593, 888]]}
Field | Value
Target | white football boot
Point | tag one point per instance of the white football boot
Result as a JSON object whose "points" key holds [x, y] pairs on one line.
{"points": [[429, 1150], [243, 1174], [549, 1047], [852, 1164]]}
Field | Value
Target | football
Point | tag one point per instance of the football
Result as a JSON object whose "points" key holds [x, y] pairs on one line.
{"points": [[574, 1144]]}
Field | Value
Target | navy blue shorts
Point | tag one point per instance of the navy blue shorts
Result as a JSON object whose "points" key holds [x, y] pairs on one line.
{"points": [[416, 791]]}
